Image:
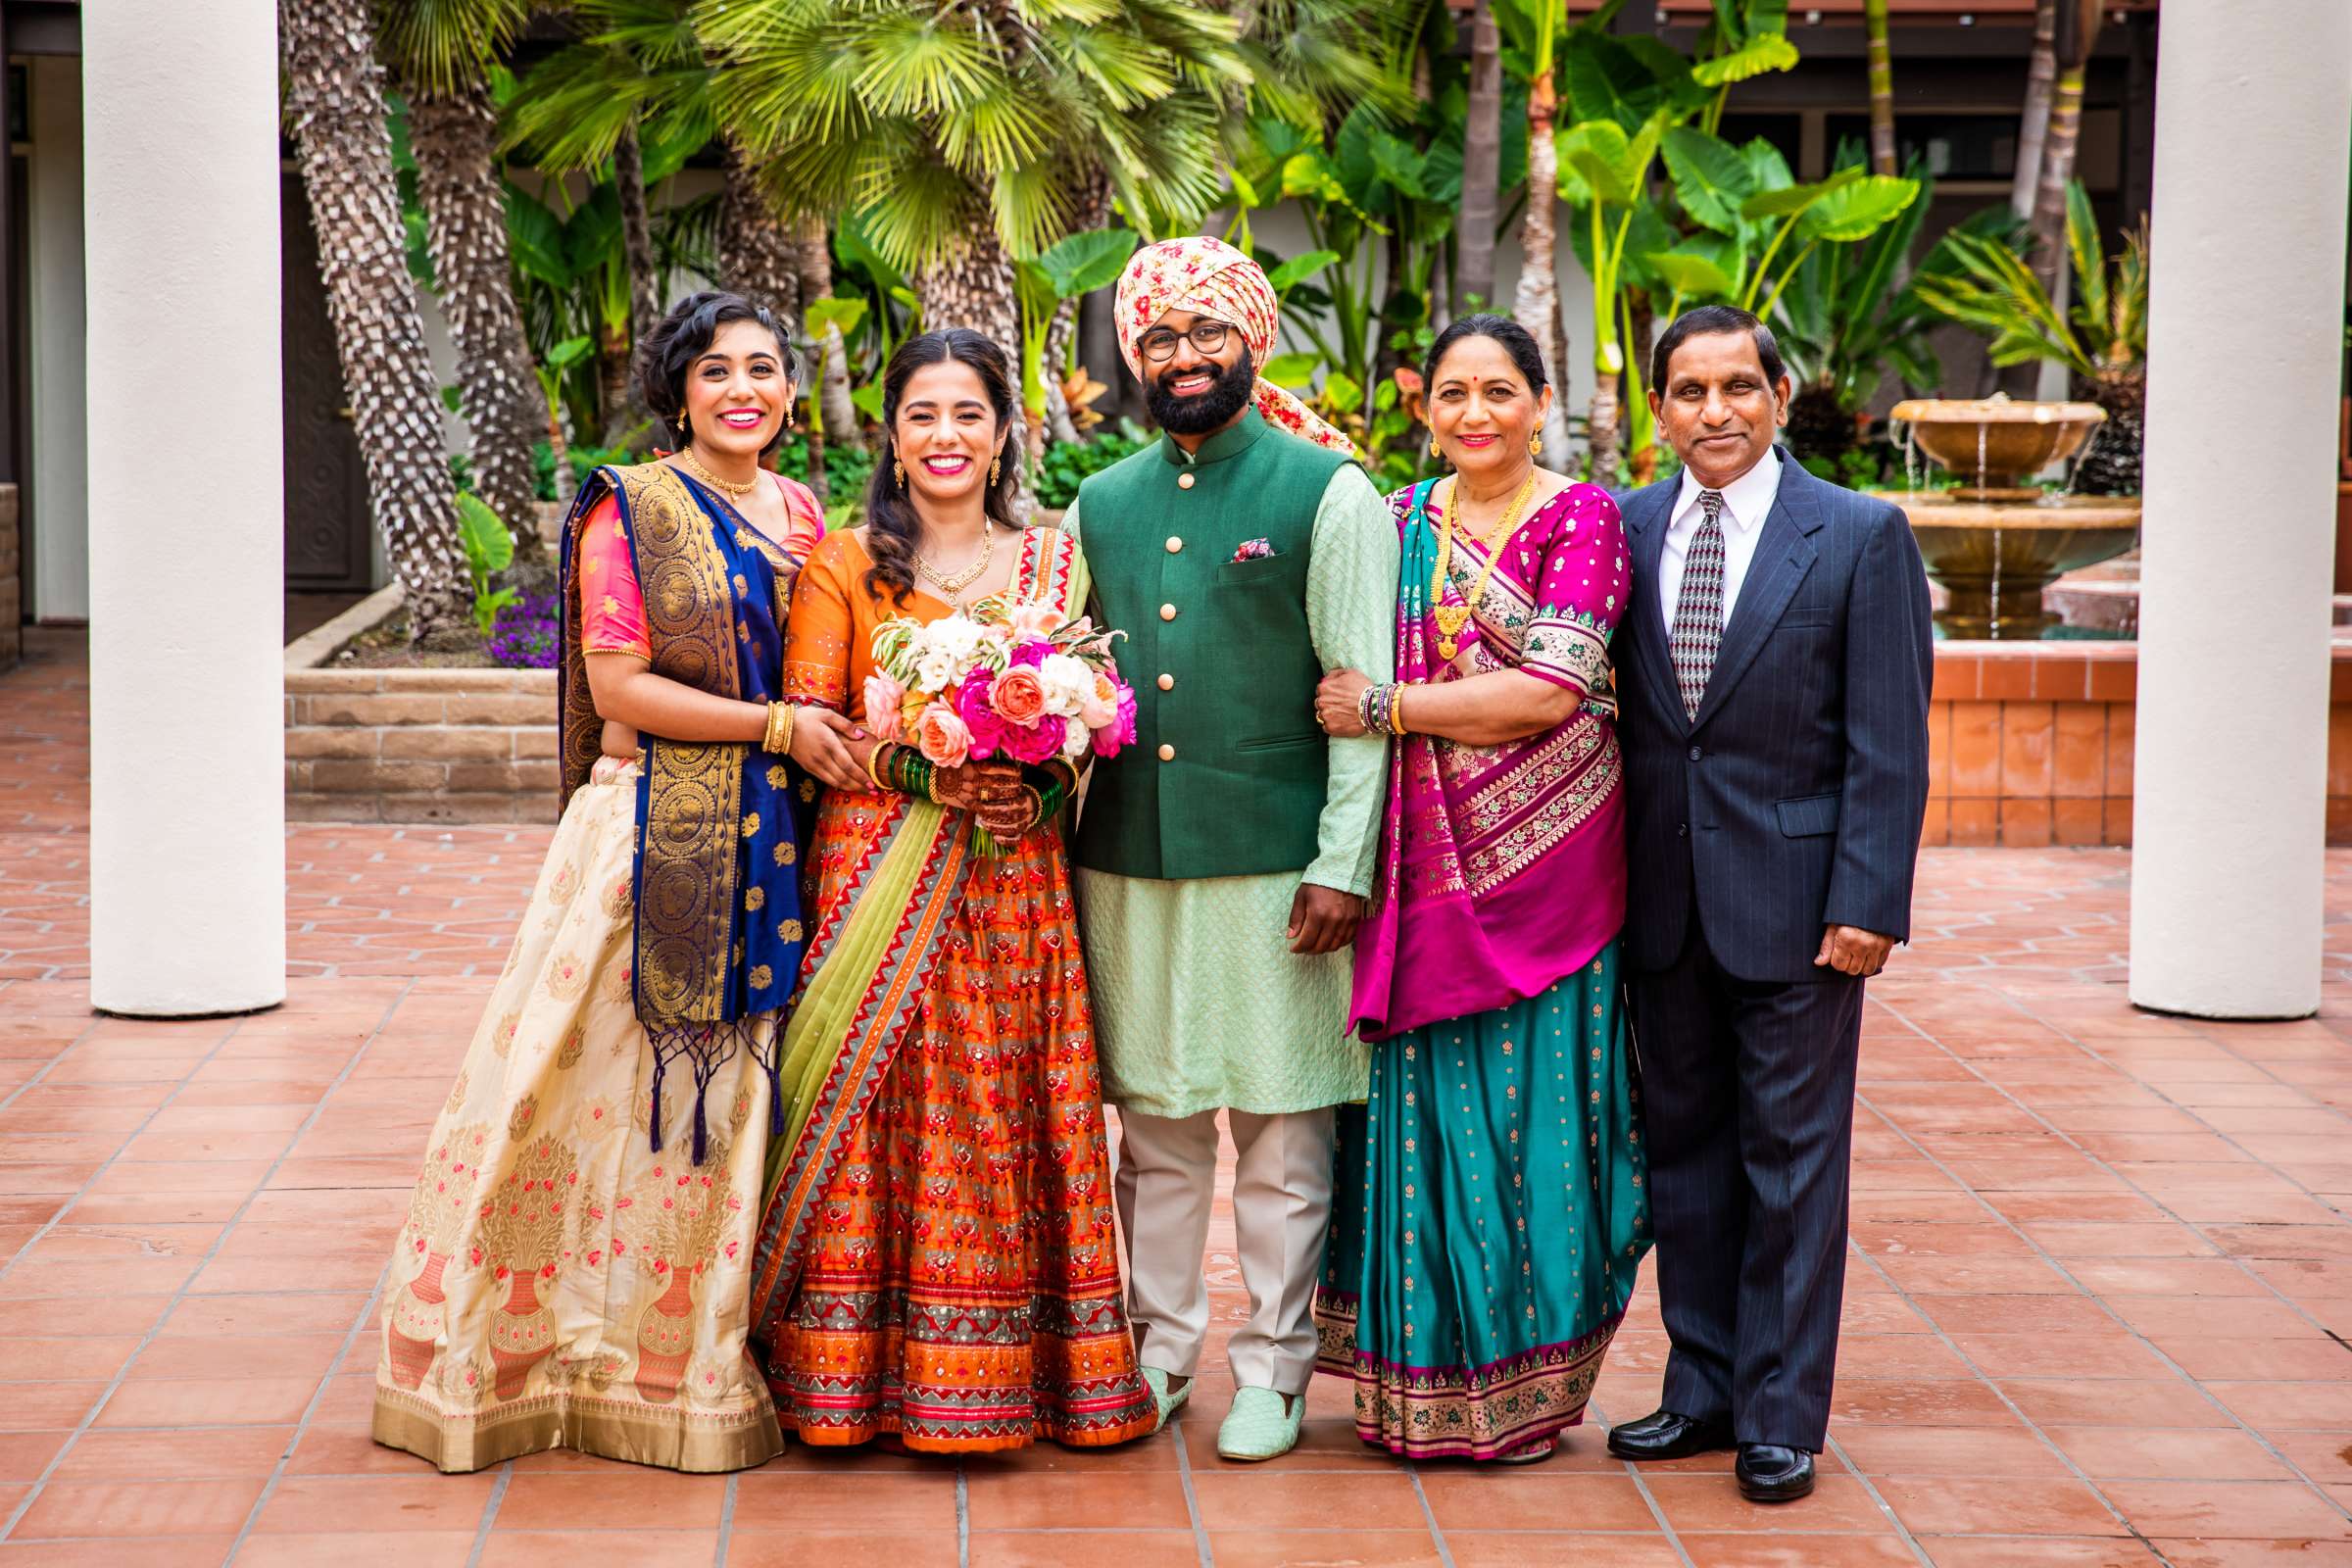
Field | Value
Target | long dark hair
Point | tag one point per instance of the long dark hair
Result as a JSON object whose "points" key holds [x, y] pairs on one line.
{"points": [[679, 338], [891, 525]]}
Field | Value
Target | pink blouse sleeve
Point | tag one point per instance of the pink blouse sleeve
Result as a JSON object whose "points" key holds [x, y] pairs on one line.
{"points": [[612, 605], [1582, 592]]}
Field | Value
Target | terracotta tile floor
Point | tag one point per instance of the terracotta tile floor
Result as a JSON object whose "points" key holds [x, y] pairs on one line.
{"points": [[2097, 1308]]}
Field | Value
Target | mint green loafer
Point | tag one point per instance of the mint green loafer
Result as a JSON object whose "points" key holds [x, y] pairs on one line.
{"points": [[1257, 1427], [1167, 1404]]}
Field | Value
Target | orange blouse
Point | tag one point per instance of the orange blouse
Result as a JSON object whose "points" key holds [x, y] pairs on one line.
{"points": [[613, 604]]}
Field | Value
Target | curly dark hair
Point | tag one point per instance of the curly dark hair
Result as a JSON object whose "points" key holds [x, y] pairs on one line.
{"points": [[891, 525], [679, 338]]}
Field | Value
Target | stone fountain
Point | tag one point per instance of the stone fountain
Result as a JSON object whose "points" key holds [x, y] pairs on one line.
{"points": [[1996, 543]]}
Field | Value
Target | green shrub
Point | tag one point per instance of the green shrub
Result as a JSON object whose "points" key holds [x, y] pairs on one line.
{"points": [[1069, 463]]}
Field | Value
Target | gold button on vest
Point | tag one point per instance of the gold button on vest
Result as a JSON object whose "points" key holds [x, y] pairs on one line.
{"points": [[1167, 612], [1167, 754], [1184, 481], [1174, 544], [1167, 683]]}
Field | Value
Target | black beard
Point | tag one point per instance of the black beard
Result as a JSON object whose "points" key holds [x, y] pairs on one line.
{"points": [[1202, 412]]}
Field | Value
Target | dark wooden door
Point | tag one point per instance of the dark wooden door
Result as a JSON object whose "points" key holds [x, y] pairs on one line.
{"points": [[326, 483]]}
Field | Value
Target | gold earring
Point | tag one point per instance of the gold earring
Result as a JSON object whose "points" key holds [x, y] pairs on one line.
{"points": [[1535, 445], [1433, 448], [897, 472], [994, 468]]}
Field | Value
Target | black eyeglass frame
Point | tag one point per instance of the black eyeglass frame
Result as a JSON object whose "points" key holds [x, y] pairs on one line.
{"points": [[1166, 338]]}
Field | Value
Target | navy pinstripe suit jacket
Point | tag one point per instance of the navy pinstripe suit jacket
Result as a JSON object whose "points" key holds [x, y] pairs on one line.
{"points": [[1794, 799]]}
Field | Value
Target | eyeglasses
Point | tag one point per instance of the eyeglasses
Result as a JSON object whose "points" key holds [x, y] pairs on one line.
{"points": [[1159, 344]]}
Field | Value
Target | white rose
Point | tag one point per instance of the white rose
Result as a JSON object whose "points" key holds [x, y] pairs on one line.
{"points": [[1068, 684], [1075, 740]]}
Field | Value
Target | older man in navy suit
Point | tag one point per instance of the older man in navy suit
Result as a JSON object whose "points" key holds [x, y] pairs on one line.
{"points": [[1774, 676]]}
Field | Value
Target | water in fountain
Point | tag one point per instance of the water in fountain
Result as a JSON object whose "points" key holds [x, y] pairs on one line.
{"points": [[1993, 626]]}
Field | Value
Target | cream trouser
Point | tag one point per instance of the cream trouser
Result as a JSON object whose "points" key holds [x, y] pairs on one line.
{"points": [[1166, 1180]]}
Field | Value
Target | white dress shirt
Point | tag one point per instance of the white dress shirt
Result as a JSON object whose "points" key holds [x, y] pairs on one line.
{"points": [[1746, 502]]}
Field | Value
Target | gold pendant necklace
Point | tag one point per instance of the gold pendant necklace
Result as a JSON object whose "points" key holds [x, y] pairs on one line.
{"points": [[736, 488], [1452, 619], [950, 588]]}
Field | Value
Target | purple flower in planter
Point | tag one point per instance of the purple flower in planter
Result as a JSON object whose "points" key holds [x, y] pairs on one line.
{"points": [[524, 634]]}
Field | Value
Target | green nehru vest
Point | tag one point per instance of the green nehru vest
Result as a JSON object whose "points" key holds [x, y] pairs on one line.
{"points": [[1229, 771]]}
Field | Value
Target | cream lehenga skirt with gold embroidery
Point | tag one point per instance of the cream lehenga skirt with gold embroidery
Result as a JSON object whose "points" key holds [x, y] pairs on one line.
{"points": [[558, 1283]]}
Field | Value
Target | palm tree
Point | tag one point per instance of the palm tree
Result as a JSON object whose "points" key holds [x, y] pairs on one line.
{"points": [[1482, 164], [2033, 121], [1536, 301], [963, 133], [2078, 28], [441, 53], [335, 104], [1882, 87], [758, 257]]}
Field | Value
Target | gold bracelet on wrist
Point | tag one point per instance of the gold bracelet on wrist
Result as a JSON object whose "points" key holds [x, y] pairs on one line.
{"points": [[1397, 708], [777, 741], [873, 759]]}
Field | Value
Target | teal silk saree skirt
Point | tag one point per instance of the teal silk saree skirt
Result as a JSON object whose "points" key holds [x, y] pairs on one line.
{"points": [[1490, 1211]]}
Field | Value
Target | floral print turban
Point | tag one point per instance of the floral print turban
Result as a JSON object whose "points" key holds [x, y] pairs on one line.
{"points": [[1210, 277]]}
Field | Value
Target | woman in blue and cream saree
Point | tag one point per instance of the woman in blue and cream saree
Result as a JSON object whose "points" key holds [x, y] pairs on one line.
{"points": [[574, 1268]]}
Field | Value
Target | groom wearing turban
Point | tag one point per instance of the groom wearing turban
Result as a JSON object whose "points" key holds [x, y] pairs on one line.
{"points": [[1225, 859]]}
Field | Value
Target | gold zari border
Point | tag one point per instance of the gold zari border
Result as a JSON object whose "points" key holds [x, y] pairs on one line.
{"points": [[610, 1428]]}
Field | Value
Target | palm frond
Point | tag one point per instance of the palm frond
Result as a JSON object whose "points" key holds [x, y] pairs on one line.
{"points": [[442, 45]]}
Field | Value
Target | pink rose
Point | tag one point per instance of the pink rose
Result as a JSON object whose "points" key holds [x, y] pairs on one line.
{"points": [[1019, 695], [883, 694], [979, 718], [1034, 619], [941, 737], [1103, 707], [1025, 744], [1109, 738], [1031, 655]]}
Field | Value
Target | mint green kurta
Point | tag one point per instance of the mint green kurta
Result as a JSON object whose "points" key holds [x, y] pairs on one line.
{"points": [[1199, 1003]]}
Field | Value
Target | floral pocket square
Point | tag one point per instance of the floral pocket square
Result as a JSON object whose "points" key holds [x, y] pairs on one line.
{"points": [[1255, 550]]}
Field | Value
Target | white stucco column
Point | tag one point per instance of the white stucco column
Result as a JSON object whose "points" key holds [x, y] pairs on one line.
{"points": [[187, 723], [2245, 347]]}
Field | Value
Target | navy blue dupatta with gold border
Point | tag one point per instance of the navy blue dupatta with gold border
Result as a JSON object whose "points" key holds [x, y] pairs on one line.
{"points": [[717, 929]]}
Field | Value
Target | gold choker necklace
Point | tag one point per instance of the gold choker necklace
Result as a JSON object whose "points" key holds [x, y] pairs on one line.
{"points": [[736, 488]]}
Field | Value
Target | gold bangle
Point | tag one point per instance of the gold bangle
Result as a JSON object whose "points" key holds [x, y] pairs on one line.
{"points": [[873, 755], [778, 739], [1397, 708]]}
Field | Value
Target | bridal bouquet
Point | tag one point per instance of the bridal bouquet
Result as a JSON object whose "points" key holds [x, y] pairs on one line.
{"points": [[1023, 683]]}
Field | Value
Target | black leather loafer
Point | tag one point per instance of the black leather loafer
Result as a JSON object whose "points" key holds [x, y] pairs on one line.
{"points": [[1770, 1473], [1663, 1435]]}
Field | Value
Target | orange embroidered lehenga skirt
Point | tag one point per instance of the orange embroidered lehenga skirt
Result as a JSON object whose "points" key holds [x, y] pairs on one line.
{"points": [[959, 1283]]}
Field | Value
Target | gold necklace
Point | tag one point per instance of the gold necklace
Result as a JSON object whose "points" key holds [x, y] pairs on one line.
{"points": [[1452, 619], [736, 488], [950, 588]]}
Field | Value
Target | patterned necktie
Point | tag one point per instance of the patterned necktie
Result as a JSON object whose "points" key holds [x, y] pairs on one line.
{"points": [[1698, 611]]}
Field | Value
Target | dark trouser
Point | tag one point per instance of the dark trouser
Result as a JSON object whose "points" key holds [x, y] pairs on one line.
{"points": [[1748, 1091]]}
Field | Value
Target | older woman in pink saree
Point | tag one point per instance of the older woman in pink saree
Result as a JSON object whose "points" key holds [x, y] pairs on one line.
{"points": [[1489, 1215]]}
